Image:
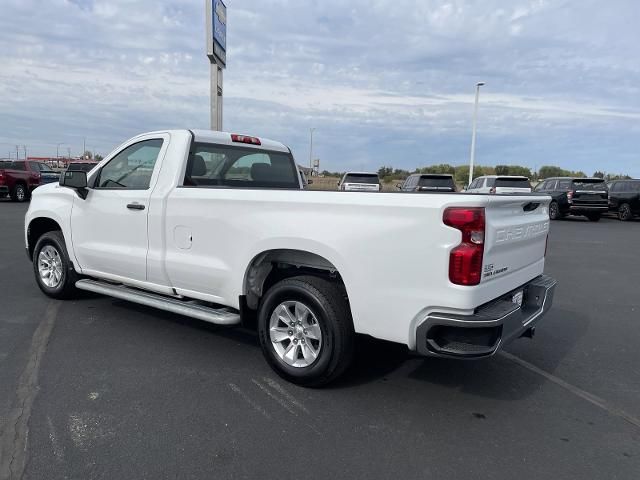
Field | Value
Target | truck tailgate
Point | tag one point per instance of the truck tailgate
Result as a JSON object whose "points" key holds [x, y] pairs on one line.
{"points": [[515, 235]]}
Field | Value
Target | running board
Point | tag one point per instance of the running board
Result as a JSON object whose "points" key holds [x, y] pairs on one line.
{"points": [[219, 316]]}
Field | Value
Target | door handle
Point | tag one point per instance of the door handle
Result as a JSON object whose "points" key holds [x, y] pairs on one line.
{"points": [[135, 206]]}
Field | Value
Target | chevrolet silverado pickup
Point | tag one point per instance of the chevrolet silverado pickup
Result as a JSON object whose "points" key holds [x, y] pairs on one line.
{"points": [[19, 178], [217, 226]]}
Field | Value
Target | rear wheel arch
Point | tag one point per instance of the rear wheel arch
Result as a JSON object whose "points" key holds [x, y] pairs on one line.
{"points": [[271, 266], [38, 227]]}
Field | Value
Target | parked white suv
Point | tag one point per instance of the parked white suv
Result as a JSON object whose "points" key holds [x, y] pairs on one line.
{"points": [[500, 184], [217, 227], [360, 182]]}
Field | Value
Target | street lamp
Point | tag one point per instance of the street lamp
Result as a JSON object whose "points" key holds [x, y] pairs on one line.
{"points": [[58, 149], [311, 147], [473, 132]]}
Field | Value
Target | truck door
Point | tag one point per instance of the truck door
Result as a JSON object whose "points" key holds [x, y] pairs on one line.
{"points": [[109, 227]]}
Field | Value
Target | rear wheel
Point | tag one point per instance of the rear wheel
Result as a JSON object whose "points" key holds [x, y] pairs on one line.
{"points": [[19, 193], [624, 212], [53, 269], [554, 211], [306, 331], [593, 217]]}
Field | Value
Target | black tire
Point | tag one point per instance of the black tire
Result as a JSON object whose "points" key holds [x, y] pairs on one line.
{"points": [[331, 309], [554, 211], [20, 193], [66, 287], [593, 217], [624, 212]]}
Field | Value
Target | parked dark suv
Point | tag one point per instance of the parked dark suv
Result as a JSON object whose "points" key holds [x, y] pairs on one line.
{"points": [[576, 196], [428, 182], [624, 198]]}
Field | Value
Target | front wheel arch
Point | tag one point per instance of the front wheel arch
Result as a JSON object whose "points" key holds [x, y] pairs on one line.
{"points": [[38, 227]]}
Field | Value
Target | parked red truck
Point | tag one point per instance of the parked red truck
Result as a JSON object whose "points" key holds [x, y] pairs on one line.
{"points": [[19, 178]]}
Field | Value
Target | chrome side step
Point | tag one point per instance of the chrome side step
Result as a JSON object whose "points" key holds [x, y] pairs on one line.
{"points": [[219, 316]]}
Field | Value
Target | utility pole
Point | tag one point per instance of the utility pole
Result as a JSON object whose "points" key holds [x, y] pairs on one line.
{"points": [[311, 147], [24, 147], [17, 152], [84, 145], [473, 132]]}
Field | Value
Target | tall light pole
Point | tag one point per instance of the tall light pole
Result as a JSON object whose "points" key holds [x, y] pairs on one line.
{"points": [[58, 149], [311, 147], [473, 132]]}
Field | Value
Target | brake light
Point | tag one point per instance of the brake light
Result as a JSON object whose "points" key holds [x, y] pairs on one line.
{"points": [[570, 197], [465, 260], [245, 139]]}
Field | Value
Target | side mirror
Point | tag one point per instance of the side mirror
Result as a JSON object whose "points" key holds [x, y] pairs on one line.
{"points": [[465, 188], [309, 181], [75, 179], [399, 186]]}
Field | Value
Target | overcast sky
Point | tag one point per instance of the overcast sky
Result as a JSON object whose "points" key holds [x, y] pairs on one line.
{"points": [[383, 82]]}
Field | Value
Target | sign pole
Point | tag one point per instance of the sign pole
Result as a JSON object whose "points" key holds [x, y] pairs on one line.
{"points": [[216, 16]]}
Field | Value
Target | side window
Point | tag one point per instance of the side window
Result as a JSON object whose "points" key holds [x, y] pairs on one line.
{"points": [[615, 187], [411, 182], [474, 184], [491, 182], [132, 168], [564, 185], [221, 165], [34, 166]]}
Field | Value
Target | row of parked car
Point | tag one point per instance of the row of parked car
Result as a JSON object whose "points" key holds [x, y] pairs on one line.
{"points": [[19, 178], [590, 197]]}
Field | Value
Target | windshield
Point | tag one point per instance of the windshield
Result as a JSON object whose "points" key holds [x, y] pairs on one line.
{"points": [[589, 184], [513, 182], [436, 181], [362, 178], [44, 168], [81, 167]]}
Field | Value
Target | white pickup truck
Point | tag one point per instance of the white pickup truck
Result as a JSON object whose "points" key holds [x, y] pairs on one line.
{"points": [[216, 226]]}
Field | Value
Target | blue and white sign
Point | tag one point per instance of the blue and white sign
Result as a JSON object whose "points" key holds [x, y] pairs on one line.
{"points": [[220, 24]]}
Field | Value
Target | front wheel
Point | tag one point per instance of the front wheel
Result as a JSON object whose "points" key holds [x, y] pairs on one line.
{"points": [[305, 329], [554, 211], [593, 217], [53, 269], [624, 212]]}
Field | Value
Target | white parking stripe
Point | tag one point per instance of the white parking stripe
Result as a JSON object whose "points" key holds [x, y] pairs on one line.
{"points": [[589, 397]]}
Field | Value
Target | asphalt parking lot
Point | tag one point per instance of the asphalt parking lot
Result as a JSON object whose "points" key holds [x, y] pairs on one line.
{"points": [[100, 388]]}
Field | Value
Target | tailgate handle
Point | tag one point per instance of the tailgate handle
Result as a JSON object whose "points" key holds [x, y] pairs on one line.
{"points": [[135, 206], [531, 206]]}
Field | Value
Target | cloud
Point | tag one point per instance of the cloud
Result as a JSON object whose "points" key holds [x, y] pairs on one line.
{"points": [[383, 82]]}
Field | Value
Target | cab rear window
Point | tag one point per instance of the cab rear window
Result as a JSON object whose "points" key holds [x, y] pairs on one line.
{"points": [[589, 185], [436, 181], [362, 178], [513, 182], [211, 165]]}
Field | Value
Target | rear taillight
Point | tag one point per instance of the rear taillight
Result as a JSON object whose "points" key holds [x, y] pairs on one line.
{"points": [[465, 260], [570, 197], [245, 139]]}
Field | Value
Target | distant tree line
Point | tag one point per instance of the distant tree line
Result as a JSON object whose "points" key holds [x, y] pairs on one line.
{"points": [[461, 172]]}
